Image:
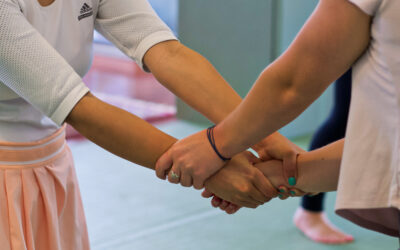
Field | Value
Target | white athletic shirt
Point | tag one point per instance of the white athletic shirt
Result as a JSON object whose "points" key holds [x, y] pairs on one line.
{"points": [[45, 52], [369, 183]]}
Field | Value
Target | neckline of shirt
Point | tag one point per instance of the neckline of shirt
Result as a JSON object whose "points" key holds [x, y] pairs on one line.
{"points": [[50, 6]]}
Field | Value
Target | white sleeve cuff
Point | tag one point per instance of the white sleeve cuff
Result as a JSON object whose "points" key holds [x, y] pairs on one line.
{"points": [[148, 42], [367, 6], [69, 102]]}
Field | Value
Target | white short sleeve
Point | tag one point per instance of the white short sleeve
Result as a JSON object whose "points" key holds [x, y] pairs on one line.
{"points": [[368, 6], [33, 69], [132, 25]]}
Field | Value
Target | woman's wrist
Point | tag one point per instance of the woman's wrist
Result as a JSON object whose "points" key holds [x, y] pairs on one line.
{"points": [[307, 173], [317, 172], [211, 140], [302, 176], [223, 142]]}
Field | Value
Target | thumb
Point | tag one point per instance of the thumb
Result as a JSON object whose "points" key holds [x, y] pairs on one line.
{"points": [[264, 185], [251, 157], [290, 169], [264, 156], [163, 164]]}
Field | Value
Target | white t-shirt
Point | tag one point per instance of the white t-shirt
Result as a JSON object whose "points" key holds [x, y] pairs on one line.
{"points": [[45, 52], [369, 183]]}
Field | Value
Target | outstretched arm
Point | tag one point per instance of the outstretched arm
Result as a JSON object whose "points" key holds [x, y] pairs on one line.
{"points": [[333, 38], [136, 140], [192, 78], [118, 131]]}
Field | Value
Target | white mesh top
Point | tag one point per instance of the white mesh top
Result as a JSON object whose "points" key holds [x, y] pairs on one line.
{"points": [[45, 51]]}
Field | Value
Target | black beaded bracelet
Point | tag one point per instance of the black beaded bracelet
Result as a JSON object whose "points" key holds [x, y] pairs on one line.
{"points": [[210, 136]]}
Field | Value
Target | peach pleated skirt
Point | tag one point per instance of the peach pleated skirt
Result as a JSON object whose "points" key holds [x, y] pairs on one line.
{"points": [[40, 202]]}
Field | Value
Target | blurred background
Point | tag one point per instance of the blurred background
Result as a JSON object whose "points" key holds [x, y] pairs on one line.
{"points": [[126, 206]]}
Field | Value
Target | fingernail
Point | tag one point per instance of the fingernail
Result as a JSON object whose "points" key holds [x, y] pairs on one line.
{"points": [[280, 196], [292, 181], [281, 190], [292, 192]]}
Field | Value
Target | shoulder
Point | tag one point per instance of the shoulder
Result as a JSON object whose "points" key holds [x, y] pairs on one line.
{"points": [[7, 6]]}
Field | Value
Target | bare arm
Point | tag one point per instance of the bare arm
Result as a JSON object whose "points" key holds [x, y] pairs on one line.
{"points": [[184, 72], [318, 170], [192, 78], [330, 42], [119, 132], [333, 38], [135, 140]]}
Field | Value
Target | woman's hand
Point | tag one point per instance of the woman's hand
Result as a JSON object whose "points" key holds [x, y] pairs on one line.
{"points": [[224, 205], [192, 160], [278, 147], [189, 161], [273, 171], [240, 183]]}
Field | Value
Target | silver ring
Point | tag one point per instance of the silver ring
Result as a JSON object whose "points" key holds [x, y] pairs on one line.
{"points": [[174, 175]]}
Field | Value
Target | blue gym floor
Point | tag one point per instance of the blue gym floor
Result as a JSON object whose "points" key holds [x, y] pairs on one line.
{"points": [[127, 208]]}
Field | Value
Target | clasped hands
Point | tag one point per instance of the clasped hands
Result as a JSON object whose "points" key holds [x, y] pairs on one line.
{"points": [[244, 181]]}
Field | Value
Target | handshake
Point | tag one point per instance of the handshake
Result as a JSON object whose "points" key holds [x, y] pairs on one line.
{"points": [[247, 181], [243, 181]]}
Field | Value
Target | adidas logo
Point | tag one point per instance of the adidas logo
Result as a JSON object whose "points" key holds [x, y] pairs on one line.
{"points": [[86, 11]]}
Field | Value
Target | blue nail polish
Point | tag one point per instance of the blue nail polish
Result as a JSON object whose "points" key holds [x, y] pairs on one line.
{"points": [[292, 181], [292, 192], [280, 196]]}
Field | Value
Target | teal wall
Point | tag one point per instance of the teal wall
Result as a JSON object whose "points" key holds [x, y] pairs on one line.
{"points": [[229, 34], [240, 39]]}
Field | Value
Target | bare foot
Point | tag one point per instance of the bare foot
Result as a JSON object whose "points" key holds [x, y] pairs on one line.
{"points": [[318, 228]]}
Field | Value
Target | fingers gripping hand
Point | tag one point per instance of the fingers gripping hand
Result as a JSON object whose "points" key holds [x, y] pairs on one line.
{"points": [[189, 161], [164, 164], [290, 169], [278, 147], [260, 181], [240, 183], [273, 170], [216, 202], [285, 192]]}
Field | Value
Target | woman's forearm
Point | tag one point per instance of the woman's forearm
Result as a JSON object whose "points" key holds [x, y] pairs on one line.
{"points": [[318, 170], [184, 72], [333, 38], [119, 132], [129, 137], [193, 79], [267, 108]]}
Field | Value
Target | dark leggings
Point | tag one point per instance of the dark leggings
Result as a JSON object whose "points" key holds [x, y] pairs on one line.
{"points": [[332, 129]]}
